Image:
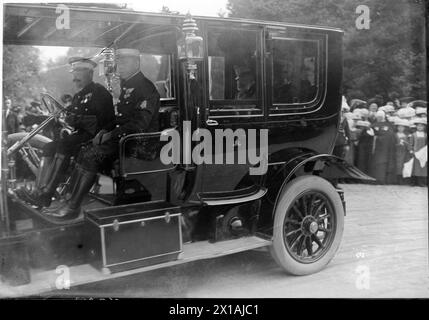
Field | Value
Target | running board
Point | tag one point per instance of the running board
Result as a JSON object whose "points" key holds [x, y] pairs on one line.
{"points": [[234, 200], [47, 281]]}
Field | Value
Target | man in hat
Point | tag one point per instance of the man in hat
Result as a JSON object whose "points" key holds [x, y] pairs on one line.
{"points": [[91, 110], [137, 109], [12, 120]]}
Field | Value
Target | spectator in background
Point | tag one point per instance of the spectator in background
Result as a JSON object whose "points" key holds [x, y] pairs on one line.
{"points": [[373, 107], [403, 148], [12, 119], [342, 143], [365, 141], [352, 120], [382, 166], [357, 104], [419, 150]]}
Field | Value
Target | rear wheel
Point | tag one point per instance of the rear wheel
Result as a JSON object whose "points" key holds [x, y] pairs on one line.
{"points": [[308, 225]]}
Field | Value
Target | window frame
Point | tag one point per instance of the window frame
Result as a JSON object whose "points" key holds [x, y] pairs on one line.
{"points": [[279, 108], [227, 108]]}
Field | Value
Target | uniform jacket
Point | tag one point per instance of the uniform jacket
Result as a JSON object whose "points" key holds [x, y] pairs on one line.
{"points": [[92, 109], [137, 108]]}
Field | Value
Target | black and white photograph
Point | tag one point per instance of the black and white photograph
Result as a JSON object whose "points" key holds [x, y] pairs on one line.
{"points": [[225, 149]]}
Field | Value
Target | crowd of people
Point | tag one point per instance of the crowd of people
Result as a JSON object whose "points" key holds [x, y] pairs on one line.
{"points": [[386, 141]]}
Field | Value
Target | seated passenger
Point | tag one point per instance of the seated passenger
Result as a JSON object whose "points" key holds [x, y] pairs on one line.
{"points": [[137, 112], [284, 90], [246, 85], [90, 111]]}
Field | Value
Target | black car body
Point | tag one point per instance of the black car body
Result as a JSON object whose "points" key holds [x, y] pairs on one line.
{"points": [[292, 88]]}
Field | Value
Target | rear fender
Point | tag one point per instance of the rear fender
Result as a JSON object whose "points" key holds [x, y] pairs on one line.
{"points": [[326, 166]]}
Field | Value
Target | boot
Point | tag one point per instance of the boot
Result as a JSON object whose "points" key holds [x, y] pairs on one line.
{"points": [[42, 180], [48, 182], [71, 209]]}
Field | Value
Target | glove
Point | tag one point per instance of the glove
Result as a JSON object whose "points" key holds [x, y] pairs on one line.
{"points": [[97, 139]]}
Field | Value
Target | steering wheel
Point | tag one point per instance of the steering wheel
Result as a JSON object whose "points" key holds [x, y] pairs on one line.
{"points": [[51, 104]]}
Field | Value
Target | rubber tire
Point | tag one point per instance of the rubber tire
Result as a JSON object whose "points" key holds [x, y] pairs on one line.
{"points": [[286, 199]]}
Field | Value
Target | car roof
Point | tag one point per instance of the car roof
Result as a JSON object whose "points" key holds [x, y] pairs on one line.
{"points": [[34, 24]]}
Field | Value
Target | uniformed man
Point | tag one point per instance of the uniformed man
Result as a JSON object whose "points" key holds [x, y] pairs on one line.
{"points": [[137, 112], [91, 110]]}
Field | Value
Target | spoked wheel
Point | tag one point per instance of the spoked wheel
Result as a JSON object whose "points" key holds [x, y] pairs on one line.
{"points": [[308, 225]]}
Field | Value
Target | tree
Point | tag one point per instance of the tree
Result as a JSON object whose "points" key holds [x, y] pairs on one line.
{"points": [[21, 69], [388, 57]]}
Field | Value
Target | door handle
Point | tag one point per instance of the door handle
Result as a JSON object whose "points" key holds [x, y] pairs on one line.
{"points": [[211, 122]]}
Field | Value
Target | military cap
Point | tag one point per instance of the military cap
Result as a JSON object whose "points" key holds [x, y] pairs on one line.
{"points": [[127, 52], [81, 63]]}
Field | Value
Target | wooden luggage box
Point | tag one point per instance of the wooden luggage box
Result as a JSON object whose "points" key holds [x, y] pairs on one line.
{"points": [[132, 236]]}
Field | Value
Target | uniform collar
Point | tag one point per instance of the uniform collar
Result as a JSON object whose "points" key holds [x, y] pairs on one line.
{"points": [[131, 78], [86, 88]]}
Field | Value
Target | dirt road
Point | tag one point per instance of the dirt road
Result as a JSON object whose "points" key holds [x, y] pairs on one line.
{"points": [[384, 253]]}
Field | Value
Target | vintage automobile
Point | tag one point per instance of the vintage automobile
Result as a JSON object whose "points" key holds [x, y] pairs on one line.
{"points": [[215, 74]]}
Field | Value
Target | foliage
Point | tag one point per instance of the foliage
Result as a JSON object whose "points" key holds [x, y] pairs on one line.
{"points": [[21, 68], [389, 57]]}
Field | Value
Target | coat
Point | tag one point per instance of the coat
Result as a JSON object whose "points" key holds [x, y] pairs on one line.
{"points": [[417, 144], [12, 122], [382, 163], [403, 151], [91, 109], [363, 151], [137, 109]]}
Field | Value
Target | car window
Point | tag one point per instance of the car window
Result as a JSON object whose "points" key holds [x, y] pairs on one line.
{"points": [[233, 71], [295, 71]]}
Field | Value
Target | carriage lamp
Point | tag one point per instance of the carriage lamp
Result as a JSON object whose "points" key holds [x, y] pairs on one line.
{"points": [[107, 66], [190, 46]]}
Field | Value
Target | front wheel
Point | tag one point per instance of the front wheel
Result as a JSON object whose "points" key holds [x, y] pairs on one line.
{"points": [[308, 225]]}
